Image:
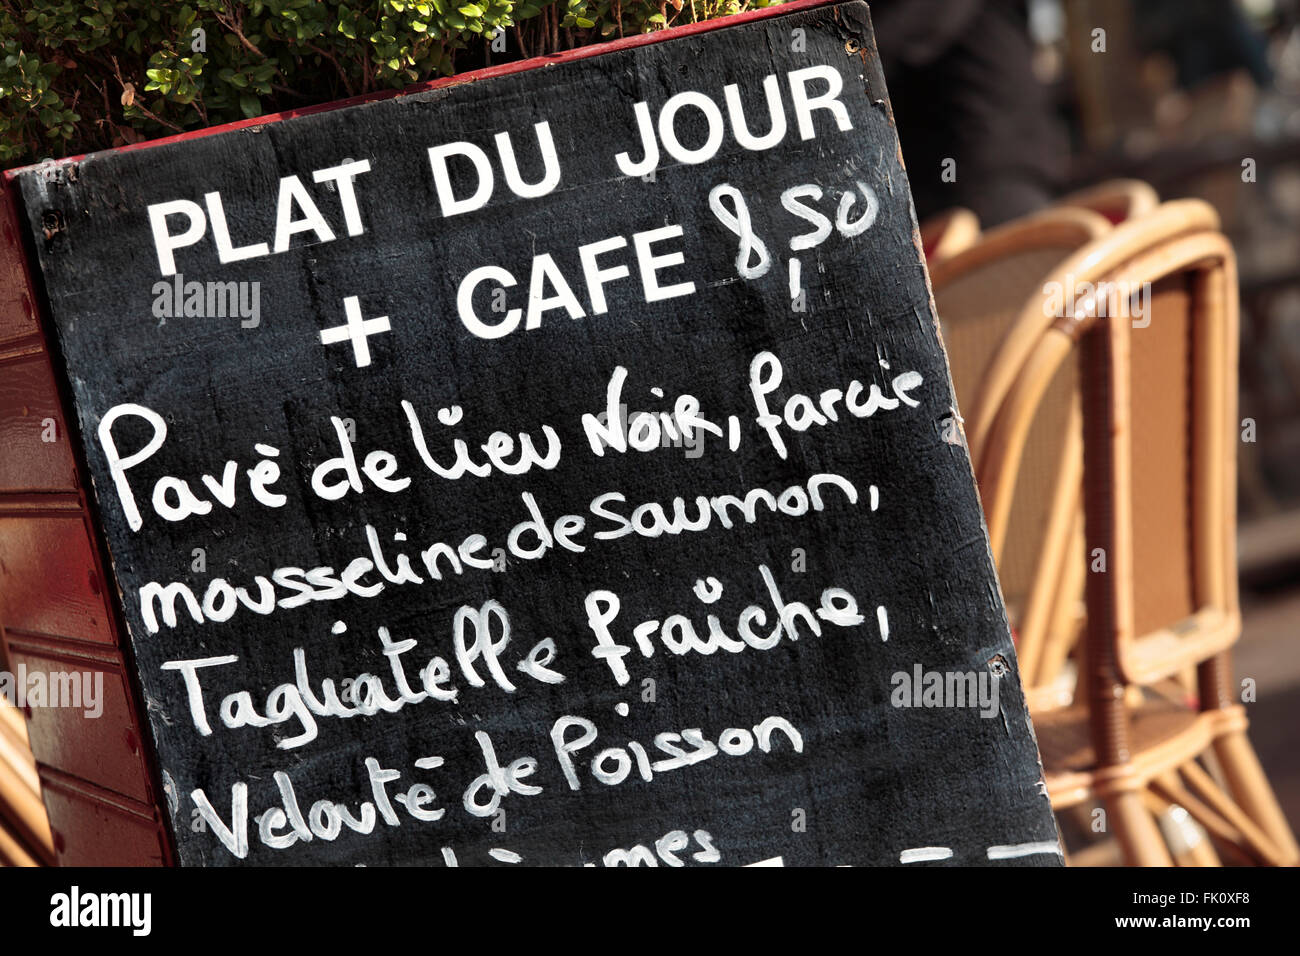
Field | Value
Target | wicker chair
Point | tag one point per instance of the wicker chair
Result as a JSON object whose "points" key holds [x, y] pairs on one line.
{"points": [[1158, 425]]}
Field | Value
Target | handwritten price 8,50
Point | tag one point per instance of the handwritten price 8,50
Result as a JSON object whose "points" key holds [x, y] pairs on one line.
{"points": [[753, 258]]}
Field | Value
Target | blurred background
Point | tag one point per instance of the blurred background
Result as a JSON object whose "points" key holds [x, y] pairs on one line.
{"points": [[1004, 107]]}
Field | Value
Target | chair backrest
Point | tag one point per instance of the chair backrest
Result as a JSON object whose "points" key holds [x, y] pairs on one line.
{"points": [[1159, 457], [980, 295], [1119, 200], [1085, 267], [945, 234], [1164, 491], [1032, 463], [1030, 481]]}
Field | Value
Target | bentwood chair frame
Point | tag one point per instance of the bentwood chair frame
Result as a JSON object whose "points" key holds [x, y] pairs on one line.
{"points": [[1031, 353], [1050, 618]]}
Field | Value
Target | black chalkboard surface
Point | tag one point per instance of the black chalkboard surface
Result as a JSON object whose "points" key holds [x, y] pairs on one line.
{"points": [[557, 468]]}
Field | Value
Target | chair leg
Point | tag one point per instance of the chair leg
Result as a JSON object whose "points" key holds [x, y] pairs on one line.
{"points": [[1215, 810], [1136, 830], [1187, 840], [1203, 852], [1252, 791]]}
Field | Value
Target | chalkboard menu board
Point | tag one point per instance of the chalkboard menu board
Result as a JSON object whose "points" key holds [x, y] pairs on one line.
{"points": [[558, 467]]}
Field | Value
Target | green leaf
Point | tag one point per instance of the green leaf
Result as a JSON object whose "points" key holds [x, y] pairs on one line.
{"points": [[249, 105]]}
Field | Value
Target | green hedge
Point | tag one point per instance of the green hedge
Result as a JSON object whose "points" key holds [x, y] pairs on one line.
{"points": [[81, 76]]}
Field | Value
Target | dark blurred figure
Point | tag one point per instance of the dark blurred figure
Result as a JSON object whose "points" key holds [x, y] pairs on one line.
{"points": [[962, 84], [1204, 38]]}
